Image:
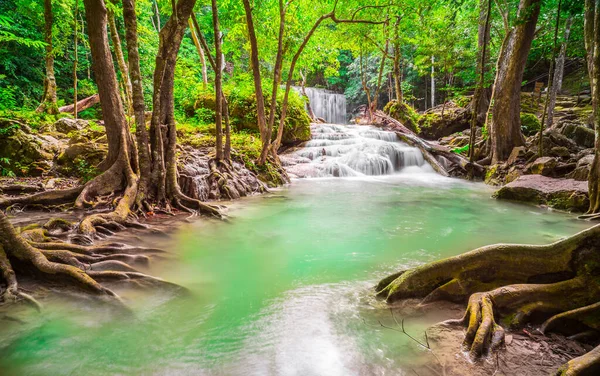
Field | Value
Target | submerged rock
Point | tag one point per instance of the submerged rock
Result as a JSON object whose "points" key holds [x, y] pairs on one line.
{"points": [[564, 194]]}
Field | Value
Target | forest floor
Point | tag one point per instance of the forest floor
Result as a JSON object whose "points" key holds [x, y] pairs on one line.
{"points": [[526, 352]]}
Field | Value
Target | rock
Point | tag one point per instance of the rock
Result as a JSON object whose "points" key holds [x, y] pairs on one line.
{"points": [[542, 166], [582, 171], [26, 153], [560, 151], [81, 159], [516, 153], [564, 194], [582, 135], [513, 174], [66, 125]]}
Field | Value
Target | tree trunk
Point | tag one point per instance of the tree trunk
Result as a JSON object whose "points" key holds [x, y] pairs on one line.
{"points": [[505, 125], [380, 75], [260, 100], [432, 81], [48, 103], [139, 107], [276, 82], [594, 39], [106, 80], [550, 82], [483, 58], [218, 82], [76, 35], [397, 62], [200, 50], [478, 95], [116, 40], [559, 71]]}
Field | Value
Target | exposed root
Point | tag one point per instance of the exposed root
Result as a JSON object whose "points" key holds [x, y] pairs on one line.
{"points": [[582, 314], [54, 197], [585, 365], [518, 283], [83, 266], [12, 293]]}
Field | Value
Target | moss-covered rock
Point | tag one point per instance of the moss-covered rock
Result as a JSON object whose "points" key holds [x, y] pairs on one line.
{"points": [[530, 124], [433, 125], [563, 194], [404, 114]]}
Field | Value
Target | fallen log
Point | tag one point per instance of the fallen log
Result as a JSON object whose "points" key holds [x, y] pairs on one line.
{"points": [[82, 104], [432, 152]]}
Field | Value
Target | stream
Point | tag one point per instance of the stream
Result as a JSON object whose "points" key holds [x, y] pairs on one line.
{"points": [[285, 286]]}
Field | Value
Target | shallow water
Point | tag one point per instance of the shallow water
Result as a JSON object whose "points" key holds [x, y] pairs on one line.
{"points": [[284, 288]]}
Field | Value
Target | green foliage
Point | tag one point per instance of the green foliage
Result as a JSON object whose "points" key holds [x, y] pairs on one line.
{"points": [[462, 150], [530, 124], [84, 170], [5, 167]]}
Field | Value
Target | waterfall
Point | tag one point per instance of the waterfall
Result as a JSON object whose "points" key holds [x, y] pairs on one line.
{"points": [[352, 150], [326, 104]]}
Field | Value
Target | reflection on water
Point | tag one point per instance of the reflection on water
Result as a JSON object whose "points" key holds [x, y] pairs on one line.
{"points": [[284, 288]]}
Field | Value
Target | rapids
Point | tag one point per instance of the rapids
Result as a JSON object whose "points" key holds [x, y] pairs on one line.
{"points": [[352, 150]]}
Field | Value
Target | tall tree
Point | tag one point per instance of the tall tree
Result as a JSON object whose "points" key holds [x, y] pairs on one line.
{"points": [[478, 95], [483, 57], [505, 124], [116, 40], [592, 38], [550, 81], [559, 71], [218, 82], [49, 101], [163, 188]]}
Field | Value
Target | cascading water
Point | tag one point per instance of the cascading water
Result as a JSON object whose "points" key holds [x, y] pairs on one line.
{"points": [[326, 104], [352, 150]]}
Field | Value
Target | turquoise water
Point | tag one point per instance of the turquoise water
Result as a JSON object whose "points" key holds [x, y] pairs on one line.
{"points": [[283, 288]]}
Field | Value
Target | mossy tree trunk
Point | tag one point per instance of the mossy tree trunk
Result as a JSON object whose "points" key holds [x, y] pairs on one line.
{"points": [[505, 124]]}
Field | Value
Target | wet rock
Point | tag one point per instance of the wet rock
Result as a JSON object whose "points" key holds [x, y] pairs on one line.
{"points": [[563, 194]]}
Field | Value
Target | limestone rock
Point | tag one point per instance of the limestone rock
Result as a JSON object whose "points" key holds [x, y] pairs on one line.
{"points": [[542, 166], [563, 194], [582, 135]]}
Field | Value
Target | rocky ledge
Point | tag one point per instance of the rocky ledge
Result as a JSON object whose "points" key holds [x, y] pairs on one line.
{"points": [[563, 194]]}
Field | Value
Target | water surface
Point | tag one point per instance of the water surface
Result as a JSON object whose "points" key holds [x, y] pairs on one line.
{"points": [[284, 288]]}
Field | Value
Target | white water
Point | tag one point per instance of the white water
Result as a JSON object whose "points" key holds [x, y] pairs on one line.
{"points": [[327, 105], [352, 150]]}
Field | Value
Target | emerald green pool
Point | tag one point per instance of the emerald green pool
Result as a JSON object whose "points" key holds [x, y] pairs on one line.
{"points": [[281, 289]]}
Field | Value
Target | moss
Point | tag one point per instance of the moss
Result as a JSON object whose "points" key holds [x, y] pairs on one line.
{"points": [[404, 114], [530, 124], [243, 114]]}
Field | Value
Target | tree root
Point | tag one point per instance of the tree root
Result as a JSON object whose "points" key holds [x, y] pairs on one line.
{"points": [[585, 365], [83, 266], [518, 283]]}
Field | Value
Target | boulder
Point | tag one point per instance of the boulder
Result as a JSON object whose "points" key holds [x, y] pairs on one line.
{"points": [[563, 194], [582, 135], [25, 153], [582, 171], [66, 125], [516, 153], [543, 166]]}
